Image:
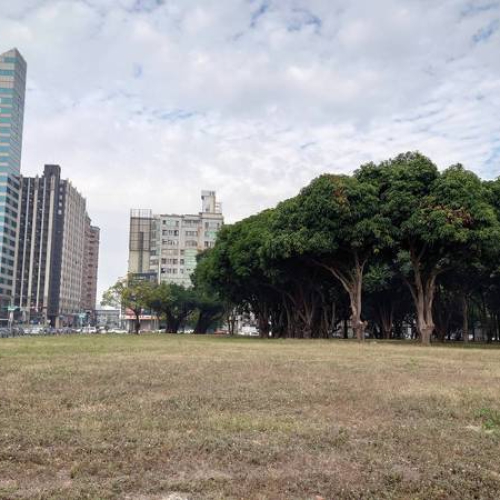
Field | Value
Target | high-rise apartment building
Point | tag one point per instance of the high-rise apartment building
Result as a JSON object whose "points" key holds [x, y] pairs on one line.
{"points": [[91, 264], [12, 94], [55, 250], [163, 247]]}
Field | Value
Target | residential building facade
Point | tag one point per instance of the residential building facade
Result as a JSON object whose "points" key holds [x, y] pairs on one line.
{"points": [[12, 94], [53, 252], [91, 266], [163, 247]]}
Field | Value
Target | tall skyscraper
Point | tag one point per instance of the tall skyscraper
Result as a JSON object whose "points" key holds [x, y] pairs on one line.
{"points": [[163, 247], [12, 93], [56, 269]]}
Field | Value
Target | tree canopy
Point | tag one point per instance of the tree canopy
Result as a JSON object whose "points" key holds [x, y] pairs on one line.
{"points": [[392, 235]]}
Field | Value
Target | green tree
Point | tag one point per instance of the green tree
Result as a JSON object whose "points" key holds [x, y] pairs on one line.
{"points": [[336, 224], [438, 220], [132, 294], [236, 268], [175, 302], [210, 307]]}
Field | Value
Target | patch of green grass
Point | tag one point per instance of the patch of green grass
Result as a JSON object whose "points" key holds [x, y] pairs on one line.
{"points": [[490, 419]]}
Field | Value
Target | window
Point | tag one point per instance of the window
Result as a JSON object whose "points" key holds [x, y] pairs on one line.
{"points": [[170, 222], [169, 251]]}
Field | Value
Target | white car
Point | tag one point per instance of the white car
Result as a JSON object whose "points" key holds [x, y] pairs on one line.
{"points": [[88, 329], [250, 331]]}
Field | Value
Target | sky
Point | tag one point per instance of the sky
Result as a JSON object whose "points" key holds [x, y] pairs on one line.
{"points": [[144, 103]]}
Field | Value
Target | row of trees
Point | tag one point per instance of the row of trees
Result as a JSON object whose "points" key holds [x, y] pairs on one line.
{"points": [[172, 304], [396, 243]]}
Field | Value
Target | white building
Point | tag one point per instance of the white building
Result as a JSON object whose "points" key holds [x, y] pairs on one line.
{"points": [[163, 247]]}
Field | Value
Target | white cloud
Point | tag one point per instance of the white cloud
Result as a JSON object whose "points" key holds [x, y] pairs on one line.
{"points": [[146, 102]]}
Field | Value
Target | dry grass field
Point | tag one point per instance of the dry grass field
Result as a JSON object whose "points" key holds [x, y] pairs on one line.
{"points": [[163, 417]]}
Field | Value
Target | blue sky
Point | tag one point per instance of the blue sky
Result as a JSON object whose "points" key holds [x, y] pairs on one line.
{"points": [[146, 102]]}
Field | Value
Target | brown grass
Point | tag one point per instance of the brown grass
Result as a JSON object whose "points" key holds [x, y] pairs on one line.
{"points": [[183, 417]]}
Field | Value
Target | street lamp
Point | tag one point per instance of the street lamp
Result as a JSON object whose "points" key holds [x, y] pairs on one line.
{"points": [[11, 308]]}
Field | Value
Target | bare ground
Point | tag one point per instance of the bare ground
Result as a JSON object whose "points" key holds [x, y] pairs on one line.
{"points": [[162, 417]]}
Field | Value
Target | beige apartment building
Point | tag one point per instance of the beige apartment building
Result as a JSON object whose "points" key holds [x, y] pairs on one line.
{"points": [[90, 266], [163, 247]]}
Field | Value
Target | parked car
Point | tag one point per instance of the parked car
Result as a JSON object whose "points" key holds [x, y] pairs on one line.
{"points": [[249, 330], [88, 329]]}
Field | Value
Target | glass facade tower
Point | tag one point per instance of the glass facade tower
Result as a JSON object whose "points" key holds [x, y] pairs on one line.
{"points": [[12, 94]]}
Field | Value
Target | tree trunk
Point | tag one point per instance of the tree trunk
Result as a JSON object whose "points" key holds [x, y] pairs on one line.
{"points": [[202, 323], [425, 323], [306, 311], [263, 320], [172, 323], [290, 328], [386, 314], [425, 334], [137, 323], [485, 327], [231, 320], [263, 326], [423, 296], [465, 318], [358, 326], [333, 319], [352, 281]]}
